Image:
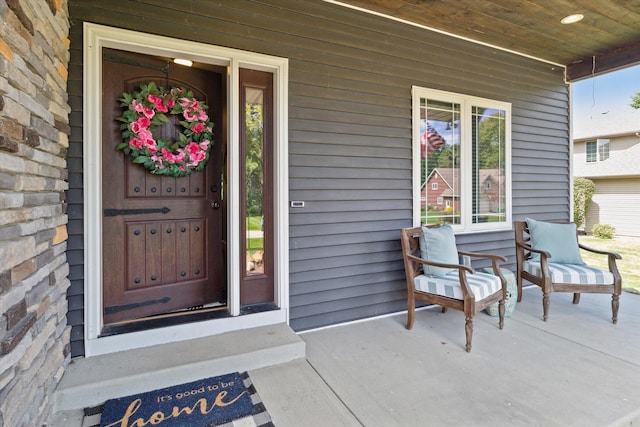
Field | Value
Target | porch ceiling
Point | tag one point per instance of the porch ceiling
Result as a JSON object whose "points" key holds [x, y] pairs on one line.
{"points": [[610, 31]]}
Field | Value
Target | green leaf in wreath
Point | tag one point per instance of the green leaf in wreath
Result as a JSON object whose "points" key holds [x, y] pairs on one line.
{"points": [[140, 159]]}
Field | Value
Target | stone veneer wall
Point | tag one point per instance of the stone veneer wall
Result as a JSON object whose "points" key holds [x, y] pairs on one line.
{"points": [[34, 113]]}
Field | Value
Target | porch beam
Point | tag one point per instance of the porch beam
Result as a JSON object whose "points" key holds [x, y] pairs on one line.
{"points": [[610, 61]]}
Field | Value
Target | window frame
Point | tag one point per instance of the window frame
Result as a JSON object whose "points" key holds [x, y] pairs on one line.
{"points": [[602, 145], [466, 102], [591, 155], [600, 151]]}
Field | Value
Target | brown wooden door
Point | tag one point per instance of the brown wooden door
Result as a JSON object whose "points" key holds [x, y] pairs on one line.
{"points": [[155, 262]]}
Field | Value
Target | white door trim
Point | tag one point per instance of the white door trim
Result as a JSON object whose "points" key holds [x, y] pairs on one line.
{"points": [[97, 37]]}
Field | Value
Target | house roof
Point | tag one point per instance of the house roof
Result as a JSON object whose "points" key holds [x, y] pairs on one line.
{"points": [[492, 174], [450, 175], [619, 164], [623, 121], [606, 39]]}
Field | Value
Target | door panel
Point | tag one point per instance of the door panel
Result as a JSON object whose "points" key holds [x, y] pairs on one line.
{"points": [[164, 253]]}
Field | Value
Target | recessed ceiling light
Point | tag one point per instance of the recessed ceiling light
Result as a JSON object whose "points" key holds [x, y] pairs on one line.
{"points": [[185, 62], [572, 19]]}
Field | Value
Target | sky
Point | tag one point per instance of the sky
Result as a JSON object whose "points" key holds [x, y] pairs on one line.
{"points": [[600, 105]]}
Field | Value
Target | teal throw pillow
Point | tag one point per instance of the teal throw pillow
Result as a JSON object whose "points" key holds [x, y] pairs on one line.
{"points": [[557, 239], [438, 245]]}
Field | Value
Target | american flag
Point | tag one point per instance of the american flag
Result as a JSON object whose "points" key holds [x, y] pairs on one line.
{"points": [[430, 141]]}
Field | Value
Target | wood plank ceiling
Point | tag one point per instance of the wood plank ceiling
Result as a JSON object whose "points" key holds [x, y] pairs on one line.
{"points": [[607, 38]]}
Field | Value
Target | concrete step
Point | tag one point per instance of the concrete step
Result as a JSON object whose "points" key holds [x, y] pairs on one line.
{"points": [[92, 381]]}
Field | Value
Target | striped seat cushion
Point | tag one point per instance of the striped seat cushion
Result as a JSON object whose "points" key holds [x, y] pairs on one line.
{"points": [[571, 273], [482, 285]]}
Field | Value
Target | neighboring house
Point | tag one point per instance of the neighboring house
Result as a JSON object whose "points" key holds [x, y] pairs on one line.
{"points": [[491, 199], [442, 189], [91, 247], [612, 162]]}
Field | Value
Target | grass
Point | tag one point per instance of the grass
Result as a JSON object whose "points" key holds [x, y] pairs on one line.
{"points": [[629, 265], [254, 244], [254, 223]]}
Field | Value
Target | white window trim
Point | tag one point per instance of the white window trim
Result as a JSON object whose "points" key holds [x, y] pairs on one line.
{"points": [[600, 143], [95, 38], [465, 102]]}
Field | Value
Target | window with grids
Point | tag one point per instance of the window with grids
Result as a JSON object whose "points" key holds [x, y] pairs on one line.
{"points": [[597, 151], [592, 152], [462, 158], [603, 149]]}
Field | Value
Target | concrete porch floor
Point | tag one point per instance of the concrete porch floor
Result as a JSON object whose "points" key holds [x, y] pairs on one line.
{"points": [[577, 369]]}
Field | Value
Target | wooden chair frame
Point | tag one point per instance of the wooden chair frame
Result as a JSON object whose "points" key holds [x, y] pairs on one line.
{"points": [[468, 305], [524, 252]]}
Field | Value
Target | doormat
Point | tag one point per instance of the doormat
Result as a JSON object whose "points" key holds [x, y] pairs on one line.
{"points": [[228, 400]]}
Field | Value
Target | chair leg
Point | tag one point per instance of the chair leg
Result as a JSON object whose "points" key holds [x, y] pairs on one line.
{"points": [[468, 329], [519, 283], [411, 312], [615, 304], [501, 313], [545, 306], [576, 298]]}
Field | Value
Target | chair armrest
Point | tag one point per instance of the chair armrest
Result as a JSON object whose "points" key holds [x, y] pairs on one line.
{"points": [[441, 264], [462, 269], [482, 255], [611, 261], [597, 251], [494, 264], [530, 249]]}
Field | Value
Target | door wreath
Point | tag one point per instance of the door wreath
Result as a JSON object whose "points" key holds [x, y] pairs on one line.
{"points": [[145, 110]]}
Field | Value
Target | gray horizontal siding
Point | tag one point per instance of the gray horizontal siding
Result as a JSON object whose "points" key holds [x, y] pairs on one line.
{"points": [[75, 228], [350, 132]]}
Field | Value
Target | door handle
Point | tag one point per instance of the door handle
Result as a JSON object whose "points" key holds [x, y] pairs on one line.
{"points": [[117, 212], [214, 204]]}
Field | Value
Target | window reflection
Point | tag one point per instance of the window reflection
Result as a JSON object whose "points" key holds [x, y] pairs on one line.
{"points": [[254, 178], [488, 165], [440, 158]]}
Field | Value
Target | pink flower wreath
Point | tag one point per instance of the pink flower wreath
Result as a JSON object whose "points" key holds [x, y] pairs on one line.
{"points": [[147, 109]]}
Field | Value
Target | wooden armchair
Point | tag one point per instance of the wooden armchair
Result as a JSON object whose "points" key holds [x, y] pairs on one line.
{"points": [[552, 273], [462, 289]]}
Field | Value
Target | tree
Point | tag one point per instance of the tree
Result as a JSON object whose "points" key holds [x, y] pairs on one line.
{"points": [[583, 190], [442, 157], [491, 142], [635, 101], [254, 159]]}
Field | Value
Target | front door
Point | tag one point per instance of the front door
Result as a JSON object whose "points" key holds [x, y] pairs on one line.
{"points": [[162, 236]]}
